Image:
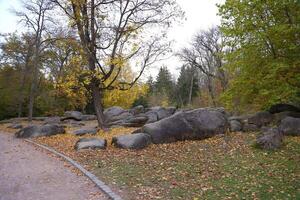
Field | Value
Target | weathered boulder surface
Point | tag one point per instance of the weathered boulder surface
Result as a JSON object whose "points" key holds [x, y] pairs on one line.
{"points": [[37, 131], [88, 117], [114, 111], [52, 120], [261, 119], [137, 110], [91, 143], [132, 141], [191, 125], [84, 131], [137, 121], [161, 112], [290, 126], [278, 108], [270, 140], [74, 115], [235, 125], [280, 116]]}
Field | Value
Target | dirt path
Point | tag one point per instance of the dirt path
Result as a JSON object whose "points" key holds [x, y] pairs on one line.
{"points": [[30, 174]]}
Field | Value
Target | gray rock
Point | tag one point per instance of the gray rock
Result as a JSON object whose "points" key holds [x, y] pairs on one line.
{"points": [[270, 140], [85, 131], [15, 126], [290, 126], [261, 119], [137, 110], [250, 128], [163, 112], [88, 117], [75, 115], [138, 121], [91, 143], [37, 131], [123, 116], [152, 116], [52, 120], [132, 141], [235, 126], [191, 125], [111, 112], [280, 116]]}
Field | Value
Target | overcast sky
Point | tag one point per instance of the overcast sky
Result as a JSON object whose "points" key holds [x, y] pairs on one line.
{"points": [[200, 14]]}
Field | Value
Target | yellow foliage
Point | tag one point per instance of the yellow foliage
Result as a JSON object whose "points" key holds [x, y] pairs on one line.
{"points": [[124, 98]]}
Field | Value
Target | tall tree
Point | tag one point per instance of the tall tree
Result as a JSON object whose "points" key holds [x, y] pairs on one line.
{"points": [[35, 17], [205, 53], [187, 85], [265, 64], [114, 32]]}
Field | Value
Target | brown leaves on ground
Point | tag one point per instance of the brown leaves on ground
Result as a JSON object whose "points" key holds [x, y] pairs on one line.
{"points": [[222, 167]]}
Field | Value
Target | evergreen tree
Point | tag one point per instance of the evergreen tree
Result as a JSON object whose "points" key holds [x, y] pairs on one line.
{"points": [[187, 85]]}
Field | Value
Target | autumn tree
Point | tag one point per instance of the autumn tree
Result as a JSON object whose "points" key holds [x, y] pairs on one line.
{"points": [[265, 65], [35, 18], [205, 54], [113, 32]]}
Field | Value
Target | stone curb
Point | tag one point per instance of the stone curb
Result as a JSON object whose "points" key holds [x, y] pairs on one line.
{"points": [[101, 185]]}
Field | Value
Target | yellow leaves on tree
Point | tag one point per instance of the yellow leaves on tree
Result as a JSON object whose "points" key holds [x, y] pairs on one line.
{"points": [[124, 98]]}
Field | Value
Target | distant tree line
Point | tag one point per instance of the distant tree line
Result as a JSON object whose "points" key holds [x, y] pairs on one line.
{"points": [[248, 63]]}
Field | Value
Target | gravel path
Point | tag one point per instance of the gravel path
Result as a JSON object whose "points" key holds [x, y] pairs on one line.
{"points": [[27, 173]]}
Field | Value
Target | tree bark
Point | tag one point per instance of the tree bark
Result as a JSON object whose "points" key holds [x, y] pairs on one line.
{"points": [[211, 91], [191, 86]]}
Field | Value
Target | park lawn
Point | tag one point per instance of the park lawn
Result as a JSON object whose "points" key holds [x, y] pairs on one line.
{"points": [[228, 167], [223, 167]]}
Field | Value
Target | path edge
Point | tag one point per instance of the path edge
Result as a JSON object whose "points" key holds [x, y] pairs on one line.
{"points": [[100, 184]]}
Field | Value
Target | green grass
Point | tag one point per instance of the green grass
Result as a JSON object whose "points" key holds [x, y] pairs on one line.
{"points": [[209, 169]]}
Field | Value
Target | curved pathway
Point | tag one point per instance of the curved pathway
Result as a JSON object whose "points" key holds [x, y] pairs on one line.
{"points": [[30, 174]]}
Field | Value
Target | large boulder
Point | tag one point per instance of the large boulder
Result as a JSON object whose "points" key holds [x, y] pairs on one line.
{"points": [[52, 120], [132, 141], [84, 131], [158, 113], [113, 112], [37, 131], [235, 125], [123, 116], [280, 116], [152, 116], [90, 143], [74, 115], [137, 121], [278, 108], [261, 119], [290, 126], [137, 110], [271, 139], [88, 117], [191, 125]]}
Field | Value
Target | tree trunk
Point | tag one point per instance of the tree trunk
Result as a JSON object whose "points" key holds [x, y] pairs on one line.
{"points": [[32, 93], [35, 78], [191, 87], [211, 91], [96, 93]]}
